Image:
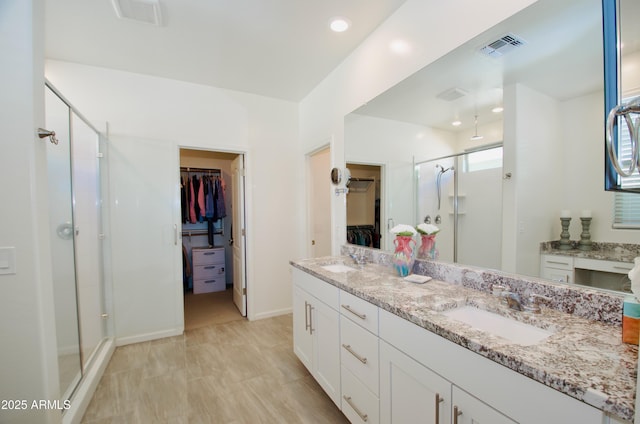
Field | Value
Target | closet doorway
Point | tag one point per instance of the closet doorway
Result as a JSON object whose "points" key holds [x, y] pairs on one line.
{"points": [[364, 205], [213, 241]]}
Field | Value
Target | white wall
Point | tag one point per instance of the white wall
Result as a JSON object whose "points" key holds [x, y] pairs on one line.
{"points": [[168, 114], [28, 353], [582, 135], [373, 67]]}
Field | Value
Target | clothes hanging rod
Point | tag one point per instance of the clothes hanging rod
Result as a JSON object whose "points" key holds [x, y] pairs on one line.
{"points": [[191, 169], [200, 233]]}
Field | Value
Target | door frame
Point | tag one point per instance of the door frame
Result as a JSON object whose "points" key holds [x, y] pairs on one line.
{"points": [[327, 143], [384, 227], [177, 214]]}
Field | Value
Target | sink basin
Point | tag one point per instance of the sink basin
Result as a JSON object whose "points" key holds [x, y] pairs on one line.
{"points": [[337, 268], [510, 329]]}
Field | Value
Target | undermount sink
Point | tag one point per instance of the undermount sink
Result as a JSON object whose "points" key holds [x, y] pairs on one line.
{"points": [[498, 325], [337, 268]]}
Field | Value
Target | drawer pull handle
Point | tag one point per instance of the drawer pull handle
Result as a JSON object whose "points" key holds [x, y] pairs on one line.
{"points": [[209, 253], [363, 417], [306, 316], [558, 263], [360, 358], [209, 281], [348, 308], [438, 401], [456, 414]]}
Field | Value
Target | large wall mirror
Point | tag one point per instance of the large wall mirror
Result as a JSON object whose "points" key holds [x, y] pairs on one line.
{"points": [[497, 139]]}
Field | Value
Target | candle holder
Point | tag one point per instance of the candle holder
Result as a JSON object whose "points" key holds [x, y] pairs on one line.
{"points": [[565, 242], [585, 236]]}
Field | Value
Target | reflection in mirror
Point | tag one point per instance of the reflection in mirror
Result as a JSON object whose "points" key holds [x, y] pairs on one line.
{"points": [[534, 85], [363, 205]]}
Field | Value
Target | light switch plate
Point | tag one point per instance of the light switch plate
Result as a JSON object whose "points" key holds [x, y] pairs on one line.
{"points": [[7, 260]]}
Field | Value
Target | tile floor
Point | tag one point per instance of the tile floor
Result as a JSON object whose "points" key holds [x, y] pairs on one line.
{"points": [[236, 372]]}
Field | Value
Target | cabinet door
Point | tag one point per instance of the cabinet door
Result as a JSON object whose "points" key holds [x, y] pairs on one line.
{"points": [[302, 338], [469, 410], [325, 329], [410, 392]]}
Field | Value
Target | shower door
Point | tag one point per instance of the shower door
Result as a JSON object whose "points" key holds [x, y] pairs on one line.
{"points": [[61, 225], [75, 227], [462, 196]]}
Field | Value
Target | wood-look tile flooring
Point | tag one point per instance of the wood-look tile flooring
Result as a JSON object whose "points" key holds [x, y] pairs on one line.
{"points": [[235, 372]]}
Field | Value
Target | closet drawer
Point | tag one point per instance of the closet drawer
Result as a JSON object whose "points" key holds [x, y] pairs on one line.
{"points": [[209, 285], [207, 256], [202, 272], [360, 311], [359, 353]]}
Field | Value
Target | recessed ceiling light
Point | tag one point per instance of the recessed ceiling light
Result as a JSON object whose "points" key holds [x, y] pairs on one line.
{"points": [[339, 24], [497, 109], [456, 123]]}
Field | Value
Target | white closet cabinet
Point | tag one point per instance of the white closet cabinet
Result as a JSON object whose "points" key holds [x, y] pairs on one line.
{"points": [[208, 269], [316, 330]]}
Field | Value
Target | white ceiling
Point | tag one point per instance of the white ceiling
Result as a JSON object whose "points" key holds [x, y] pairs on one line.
{"points": [[562, 58], [274, 48]]}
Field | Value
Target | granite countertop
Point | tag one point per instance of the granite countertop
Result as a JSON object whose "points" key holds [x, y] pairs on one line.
{"points": [[584, 359], [617, 252]]}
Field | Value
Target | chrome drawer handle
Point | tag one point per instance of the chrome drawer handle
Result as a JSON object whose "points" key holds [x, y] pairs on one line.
{"points": [[364, 417], [456, 414], [438, 401], [348, 308], [360, 358], [558, 263]]}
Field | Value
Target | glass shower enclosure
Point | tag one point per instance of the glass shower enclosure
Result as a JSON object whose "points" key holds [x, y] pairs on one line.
{"points": [[76, 235], [462, 195]]}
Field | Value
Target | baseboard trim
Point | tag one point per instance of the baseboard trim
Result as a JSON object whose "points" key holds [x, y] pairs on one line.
{"points": [[271, 314], [87, 387], [122, 341]]}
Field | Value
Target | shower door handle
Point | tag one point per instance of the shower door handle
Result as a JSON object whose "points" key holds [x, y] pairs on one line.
{"points": [[390, 224]]}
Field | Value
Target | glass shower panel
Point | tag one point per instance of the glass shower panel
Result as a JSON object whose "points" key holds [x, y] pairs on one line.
{"points": [[61, 226], [435, 201], [86, 201], [480, 208]]}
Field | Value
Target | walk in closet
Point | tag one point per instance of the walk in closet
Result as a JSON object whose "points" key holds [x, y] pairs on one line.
{"points": [[207, 236]]}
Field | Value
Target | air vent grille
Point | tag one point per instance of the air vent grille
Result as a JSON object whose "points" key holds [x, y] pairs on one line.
{"points": [[147, 11], [502, 45]]}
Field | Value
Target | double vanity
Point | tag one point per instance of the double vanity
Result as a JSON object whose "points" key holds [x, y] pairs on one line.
{"points": [[388, 350]]}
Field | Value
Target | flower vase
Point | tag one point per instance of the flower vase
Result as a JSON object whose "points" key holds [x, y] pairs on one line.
{"points": [[404, 255], [428, 247]]}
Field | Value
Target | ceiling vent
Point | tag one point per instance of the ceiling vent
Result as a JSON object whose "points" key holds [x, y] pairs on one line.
{"points": [[147, 11], [452, 94], [502, 45]]}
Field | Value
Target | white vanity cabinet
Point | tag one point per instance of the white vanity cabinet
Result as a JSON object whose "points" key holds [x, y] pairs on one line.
{"points": [[482, 389], [316, 330], [410, 392], [556, 268]]}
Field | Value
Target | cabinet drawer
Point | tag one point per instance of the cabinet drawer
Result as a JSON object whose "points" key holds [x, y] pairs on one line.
{"points": [[604, 266], [318, 288], [359, 353], [201, 272], [209, 285], [207, 256], [359, 311], [359, 405], [557, 262]]}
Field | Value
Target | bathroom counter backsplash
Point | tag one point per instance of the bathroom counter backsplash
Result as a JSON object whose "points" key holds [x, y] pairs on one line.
{"points": [[617, 252], [585, 357]]}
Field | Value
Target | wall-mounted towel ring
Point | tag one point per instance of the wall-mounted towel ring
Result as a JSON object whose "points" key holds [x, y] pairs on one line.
{"points": [[42, 133]]}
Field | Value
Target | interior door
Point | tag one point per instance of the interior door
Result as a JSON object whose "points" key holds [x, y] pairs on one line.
{"points": [[239, 258], [320, 202]]}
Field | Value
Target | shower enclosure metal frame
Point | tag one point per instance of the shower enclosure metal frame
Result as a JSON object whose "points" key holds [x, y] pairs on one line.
{"points": [[456, 169]]}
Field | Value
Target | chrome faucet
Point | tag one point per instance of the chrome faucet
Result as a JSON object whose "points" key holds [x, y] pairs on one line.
{"points": [[534, 305], [513, 300], [359, 259]]}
